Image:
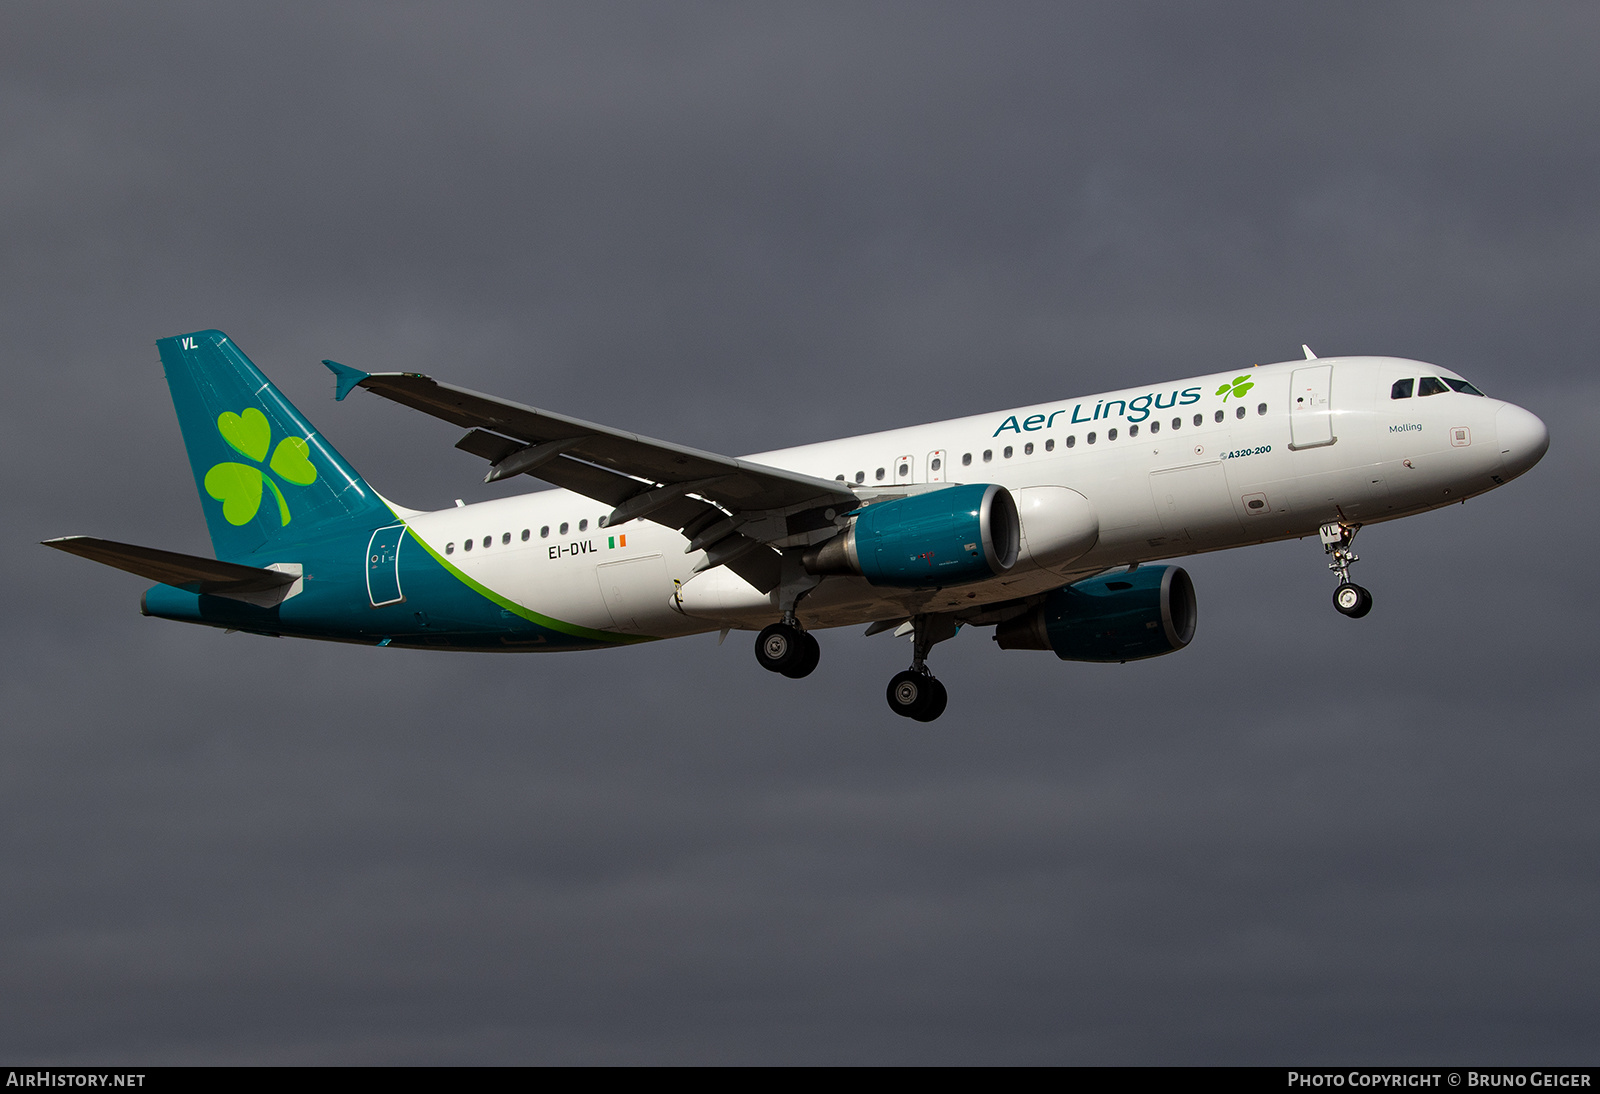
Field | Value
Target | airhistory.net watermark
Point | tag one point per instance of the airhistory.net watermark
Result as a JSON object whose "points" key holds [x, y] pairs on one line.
{"points": [[48, 1078]]}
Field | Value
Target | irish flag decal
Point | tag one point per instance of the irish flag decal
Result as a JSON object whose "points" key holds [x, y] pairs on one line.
{"points": [[616, 541]]}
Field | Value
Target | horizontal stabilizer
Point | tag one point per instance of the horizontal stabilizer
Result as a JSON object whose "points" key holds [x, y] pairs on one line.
{"points": [[250, 584]]}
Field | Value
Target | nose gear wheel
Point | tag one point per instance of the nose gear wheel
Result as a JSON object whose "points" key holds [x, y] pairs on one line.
{"points": [[1352, 600]]}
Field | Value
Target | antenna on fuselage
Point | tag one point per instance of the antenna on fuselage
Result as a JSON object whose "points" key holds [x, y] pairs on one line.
{"points": [[1309, 355]]}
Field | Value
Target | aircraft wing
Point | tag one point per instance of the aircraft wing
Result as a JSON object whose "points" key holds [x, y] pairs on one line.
{"points": [[250, 584], [641, 478]]}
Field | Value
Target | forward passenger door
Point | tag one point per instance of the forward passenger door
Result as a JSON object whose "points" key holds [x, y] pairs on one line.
{"points": [[1310, 407]]}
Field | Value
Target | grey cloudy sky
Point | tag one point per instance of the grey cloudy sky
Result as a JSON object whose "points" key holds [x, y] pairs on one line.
{"points": [[1302, 839]]}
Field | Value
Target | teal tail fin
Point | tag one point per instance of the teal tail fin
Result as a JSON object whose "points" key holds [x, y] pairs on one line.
{"points": [[263, 472]]}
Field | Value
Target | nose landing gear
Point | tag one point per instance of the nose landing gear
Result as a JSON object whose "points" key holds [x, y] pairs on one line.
{"points": [[915, 693], [1349, 598]]}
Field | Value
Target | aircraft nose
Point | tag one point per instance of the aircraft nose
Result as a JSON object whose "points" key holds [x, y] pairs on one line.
{"points": [[1523, 439]]}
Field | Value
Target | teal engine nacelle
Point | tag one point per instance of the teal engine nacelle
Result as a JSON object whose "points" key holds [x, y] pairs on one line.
{"points": [[943, 537], [1124, 616]]}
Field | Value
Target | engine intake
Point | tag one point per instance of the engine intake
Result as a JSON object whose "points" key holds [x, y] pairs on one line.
{"points": [[1123, 616], [943, 537]]}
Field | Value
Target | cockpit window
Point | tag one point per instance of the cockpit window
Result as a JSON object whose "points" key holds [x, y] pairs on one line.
{"points": [[1402, 388], [1464, 387], [1432, 385]]}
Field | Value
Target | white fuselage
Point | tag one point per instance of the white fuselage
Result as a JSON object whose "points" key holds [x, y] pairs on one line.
{"points": [[1169, 470]]}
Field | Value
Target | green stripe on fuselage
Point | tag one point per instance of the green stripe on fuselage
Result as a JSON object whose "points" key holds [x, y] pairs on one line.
{"points": [[505, 604]]}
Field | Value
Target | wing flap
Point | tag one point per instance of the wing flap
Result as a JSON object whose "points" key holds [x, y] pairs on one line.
{"points": [[762, 568], [490, 446], [251, 584], [590, 481]]}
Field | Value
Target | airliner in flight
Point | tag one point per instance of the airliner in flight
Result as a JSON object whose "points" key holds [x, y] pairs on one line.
{"points": [[1047, 523]]}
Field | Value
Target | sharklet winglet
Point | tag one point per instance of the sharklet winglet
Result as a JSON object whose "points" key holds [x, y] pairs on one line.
{"points": [[345, 379]]}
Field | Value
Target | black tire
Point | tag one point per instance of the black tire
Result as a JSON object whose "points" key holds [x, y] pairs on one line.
{"points": [[780, 647], [1352, 600], [911, 694], [938, 698], [806, 661]]}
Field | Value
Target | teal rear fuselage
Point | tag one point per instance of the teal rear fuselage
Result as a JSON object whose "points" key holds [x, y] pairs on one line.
{"points": [[439, 609]]}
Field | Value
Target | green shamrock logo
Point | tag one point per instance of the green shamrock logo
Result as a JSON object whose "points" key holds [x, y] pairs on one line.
{"points": [[238, 486], [1236, 387]]}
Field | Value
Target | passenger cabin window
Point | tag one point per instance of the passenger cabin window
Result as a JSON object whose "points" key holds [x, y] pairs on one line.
{"points": [[486, 541], [1027, 449], [1239, 413], [935, 464], [1464, 387], [988, 454], [563, 528], [506, 538], [1050, 445], [544, 533], [1402, 388], [1007, 452], [1261, 408], [1431, 385], [1111, 434], [1071, 441], [1177, 423], [861, 476], [449, 548], [583, 525], [879, 474], [1218, 417], [1091, 438], [1155, 426], [525, 534], [466, 545], [1133, 431], [966, 459], [1198, 418]]}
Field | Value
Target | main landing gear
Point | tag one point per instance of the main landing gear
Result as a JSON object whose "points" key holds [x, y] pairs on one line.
{"points": [[785, 648], [915, 693], [1349, 598]]}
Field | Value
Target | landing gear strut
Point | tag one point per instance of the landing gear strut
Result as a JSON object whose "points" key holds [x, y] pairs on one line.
{"points": [[915, 693], [1349, 598]]}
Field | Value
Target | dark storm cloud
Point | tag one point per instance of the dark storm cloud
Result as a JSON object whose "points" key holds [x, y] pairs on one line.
{"points": [[740, 228]]}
